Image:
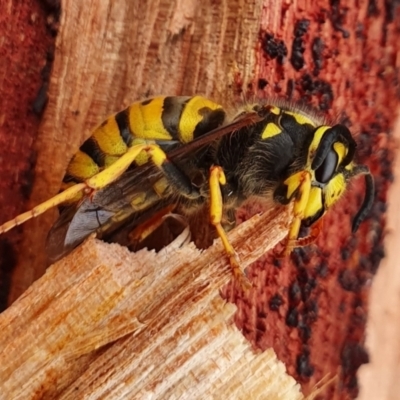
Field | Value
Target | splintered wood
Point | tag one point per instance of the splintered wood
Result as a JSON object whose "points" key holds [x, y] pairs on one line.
{"points": [[112, 324]]}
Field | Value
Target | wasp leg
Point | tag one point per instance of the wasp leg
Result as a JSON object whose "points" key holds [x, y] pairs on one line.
{"points": [[299, 183], [175, 177], [307, 240], [60, 198], [144, 230], [109, 175], [217, 178]]}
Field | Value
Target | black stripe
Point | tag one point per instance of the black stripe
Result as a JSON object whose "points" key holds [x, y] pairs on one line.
{"points": [[212, 119], [92, 149], [70, 178], [171, 115], [122, 119], [299, 133]]}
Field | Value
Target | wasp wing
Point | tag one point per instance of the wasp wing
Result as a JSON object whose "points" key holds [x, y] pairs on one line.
{"points": [[105, 211]]}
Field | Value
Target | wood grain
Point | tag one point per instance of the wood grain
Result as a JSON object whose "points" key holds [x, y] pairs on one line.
{"points": [[107, 323]]}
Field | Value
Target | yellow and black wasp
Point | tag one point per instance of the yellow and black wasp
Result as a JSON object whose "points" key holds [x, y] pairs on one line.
{"points": [[188, 152]]}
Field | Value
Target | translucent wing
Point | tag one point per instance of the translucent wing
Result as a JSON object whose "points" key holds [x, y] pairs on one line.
{"points": [[105, 211]]}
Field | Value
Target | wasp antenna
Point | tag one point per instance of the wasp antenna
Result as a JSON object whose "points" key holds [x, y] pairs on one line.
{"points": [[367, 203]]}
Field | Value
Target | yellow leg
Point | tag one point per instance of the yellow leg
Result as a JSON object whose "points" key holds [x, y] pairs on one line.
{"points": [[141, 232], [217, 178], [60, 198], [316, 229], [96, 182], [301, 182], [114, 171]]}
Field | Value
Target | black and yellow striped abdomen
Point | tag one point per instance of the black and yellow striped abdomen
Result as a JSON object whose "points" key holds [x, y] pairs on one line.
{"points": [[160, 119]]}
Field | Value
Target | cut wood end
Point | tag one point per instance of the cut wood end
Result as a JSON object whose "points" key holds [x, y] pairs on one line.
{"points": [[103, 318]]}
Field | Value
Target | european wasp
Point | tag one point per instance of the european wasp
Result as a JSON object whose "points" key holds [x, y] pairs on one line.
{"points": [[187, 153]]}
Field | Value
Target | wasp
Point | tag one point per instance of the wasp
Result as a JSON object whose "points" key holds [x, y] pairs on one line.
{"points": [[189, 153]]}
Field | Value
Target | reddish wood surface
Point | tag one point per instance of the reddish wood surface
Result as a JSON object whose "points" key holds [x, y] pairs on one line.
{"points": [[313, 310], [106, 323], [26, 51]]}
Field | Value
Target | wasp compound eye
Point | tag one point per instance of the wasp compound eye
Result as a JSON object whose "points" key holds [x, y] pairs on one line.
{"points": [[337, 133], [325, 171]]}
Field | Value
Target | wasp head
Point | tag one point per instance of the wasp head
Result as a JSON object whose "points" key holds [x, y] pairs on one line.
{"points": [[331, 167]]}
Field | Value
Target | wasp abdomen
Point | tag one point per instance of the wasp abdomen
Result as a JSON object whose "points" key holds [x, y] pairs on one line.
{"points": [[163, 119]]}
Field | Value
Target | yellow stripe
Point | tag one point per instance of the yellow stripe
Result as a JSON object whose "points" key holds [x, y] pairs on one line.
{"points": [[275, 110], [334, 190], [145, 120], [137, 200], [108, 138], [271, 130], [314, 204], [301, 118], [82, 166], [161, 186], [341, 150], [193, 113], [109, 160]]}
